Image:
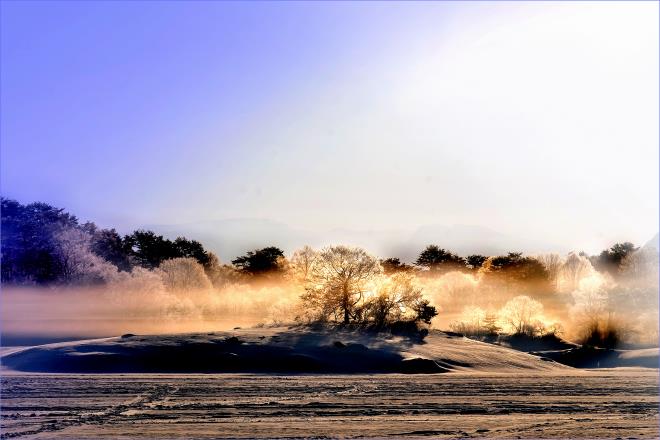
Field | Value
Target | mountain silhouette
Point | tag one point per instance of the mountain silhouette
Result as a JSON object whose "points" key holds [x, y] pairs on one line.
{"points": [[230, 238]]}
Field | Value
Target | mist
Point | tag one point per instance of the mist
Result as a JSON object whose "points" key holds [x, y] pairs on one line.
{"points": [[573, 300]]}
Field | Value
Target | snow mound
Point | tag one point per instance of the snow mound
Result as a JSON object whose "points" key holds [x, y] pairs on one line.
{"points": [[276, 350]]}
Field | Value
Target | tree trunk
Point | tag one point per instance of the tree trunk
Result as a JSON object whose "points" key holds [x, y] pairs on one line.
{"points": [[347, 315]]}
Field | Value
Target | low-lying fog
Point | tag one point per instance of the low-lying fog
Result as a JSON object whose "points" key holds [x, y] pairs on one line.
{"points": [[572, 299]]}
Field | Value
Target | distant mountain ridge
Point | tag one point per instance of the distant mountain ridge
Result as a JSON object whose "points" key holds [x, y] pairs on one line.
{"points": [[233, 237], [653, 243]]}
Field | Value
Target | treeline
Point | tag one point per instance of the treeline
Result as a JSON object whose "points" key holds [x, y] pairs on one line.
{"points": [[43, 245], [606, 297], [435, 260]]}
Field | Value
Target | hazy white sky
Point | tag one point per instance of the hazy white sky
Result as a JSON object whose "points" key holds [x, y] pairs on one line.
{"points": [[537, 119]]}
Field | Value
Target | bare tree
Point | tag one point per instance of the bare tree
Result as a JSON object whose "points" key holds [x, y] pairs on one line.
{"points": [[522, 314], [553, 264], [222, 275], [183, 274], [301, 263], [641, 267], [76, 261], [573, 270], [338, 281], [398, 298]]}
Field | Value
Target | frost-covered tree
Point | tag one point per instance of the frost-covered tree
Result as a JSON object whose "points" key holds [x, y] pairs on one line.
{"points": [[77, 263], [180, 274], [301, 263], [573, 270], [221, 275], [397, 298], [28, 241], [640, 268], [522, 315], [338, 281], [552, 264]]}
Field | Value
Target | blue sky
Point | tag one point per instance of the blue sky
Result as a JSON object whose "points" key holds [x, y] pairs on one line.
{"points": [[530, 118]]}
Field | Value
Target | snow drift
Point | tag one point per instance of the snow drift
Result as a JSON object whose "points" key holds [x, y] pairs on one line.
{"points": [[276, 350]]}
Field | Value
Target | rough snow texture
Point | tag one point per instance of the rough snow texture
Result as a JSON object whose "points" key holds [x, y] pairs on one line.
{"points": [[489, 391], [620, 403], [463, 354]]}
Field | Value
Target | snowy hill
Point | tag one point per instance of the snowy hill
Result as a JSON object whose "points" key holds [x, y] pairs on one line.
{"points": [[273, 350]]}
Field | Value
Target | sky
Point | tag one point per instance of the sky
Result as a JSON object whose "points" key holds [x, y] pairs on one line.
{"points": [[534, 119]]}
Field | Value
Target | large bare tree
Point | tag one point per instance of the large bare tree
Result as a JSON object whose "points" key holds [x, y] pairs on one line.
{"points": [[337, 281]]}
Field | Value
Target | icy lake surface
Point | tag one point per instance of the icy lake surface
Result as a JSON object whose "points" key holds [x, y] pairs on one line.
{"points": [[586, 404]]}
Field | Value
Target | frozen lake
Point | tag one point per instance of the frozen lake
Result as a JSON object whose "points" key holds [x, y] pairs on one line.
{"points": [[590, 404]]}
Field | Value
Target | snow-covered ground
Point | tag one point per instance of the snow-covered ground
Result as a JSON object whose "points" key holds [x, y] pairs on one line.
{"points": [[618, 403], [276, 350], [486, 390]]}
